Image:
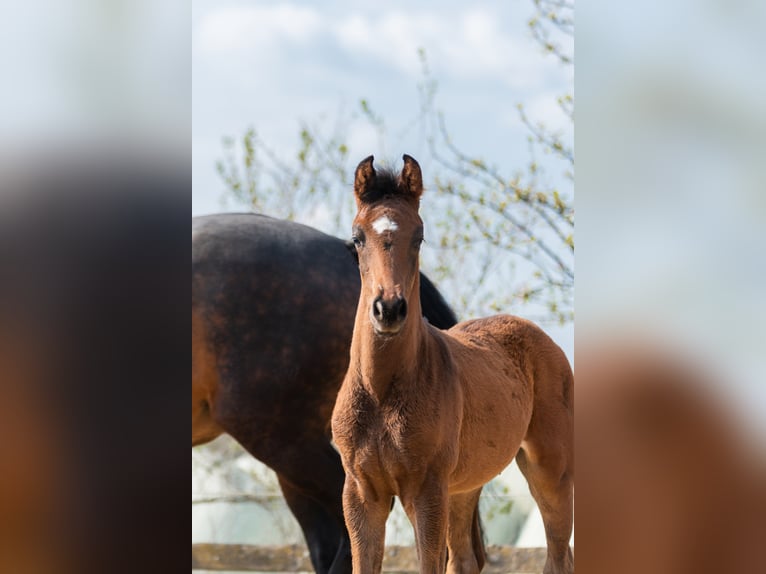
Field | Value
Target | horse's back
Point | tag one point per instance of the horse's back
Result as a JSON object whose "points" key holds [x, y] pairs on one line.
{"points": [[273, 306], [522, 341], [251, 238]]}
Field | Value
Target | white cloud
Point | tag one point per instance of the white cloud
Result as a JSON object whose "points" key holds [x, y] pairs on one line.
{"points": [[483, 48], [466, 45], [244, 28], [393, 38], [469, 44]]}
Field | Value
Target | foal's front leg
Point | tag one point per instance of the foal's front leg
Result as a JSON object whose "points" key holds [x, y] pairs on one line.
{"points": [[427, 509], [365, 516]]}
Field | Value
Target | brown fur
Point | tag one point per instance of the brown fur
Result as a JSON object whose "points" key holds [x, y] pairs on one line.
{"points": [[431, 416]]}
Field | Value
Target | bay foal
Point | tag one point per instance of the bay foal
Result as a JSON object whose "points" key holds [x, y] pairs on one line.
{"points": [[430, 416]]}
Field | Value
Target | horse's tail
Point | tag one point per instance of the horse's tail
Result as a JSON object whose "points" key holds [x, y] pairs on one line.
{"points": [[435, 308], [477, 539]]}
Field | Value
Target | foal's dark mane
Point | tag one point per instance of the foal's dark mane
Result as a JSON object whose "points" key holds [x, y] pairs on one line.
{"points": [[386, 183]]}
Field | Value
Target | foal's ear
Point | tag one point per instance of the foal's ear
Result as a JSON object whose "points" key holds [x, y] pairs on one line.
{"points": [[364, 176], [412, 178]]}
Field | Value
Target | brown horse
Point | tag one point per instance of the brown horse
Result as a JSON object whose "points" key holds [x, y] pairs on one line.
{"points": [[430, 416]]}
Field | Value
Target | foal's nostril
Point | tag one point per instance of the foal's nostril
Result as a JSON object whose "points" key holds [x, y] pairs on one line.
{"points": [[402, 310], [389, 312], [377, 308]]}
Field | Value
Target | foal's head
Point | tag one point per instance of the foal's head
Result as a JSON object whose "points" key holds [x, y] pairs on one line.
{"points": [[387, 232]]}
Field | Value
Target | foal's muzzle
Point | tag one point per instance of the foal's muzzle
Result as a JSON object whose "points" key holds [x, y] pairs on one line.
{"points": [[388, 315]]}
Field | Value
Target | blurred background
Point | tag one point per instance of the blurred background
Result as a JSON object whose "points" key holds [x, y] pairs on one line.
{"points": [[673, 142]]}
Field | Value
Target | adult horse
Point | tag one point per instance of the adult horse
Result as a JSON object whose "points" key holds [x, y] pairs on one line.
{"points": [[273, 307], [431, 416]]}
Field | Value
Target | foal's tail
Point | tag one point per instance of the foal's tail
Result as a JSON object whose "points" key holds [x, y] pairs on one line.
{"points": [[477, 538]]}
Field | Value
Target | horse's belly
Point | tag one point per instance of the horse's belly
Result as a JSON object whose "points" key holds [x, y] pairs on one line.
{"points": [[479, 467], [494, 425]]}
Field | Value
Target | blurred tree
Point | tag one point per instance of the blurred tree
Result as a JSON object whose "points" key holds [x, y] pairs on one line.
{"points": [[498, 238]]}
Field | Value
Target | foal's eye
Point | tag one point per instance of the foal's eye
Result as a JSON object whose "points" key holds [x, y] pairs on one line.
{"points": [[357, 236]]}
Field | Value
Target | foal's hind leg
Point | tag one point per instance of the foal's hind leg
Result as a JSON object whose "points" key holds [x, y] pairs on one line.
{"points": [[552, 489], [465, 552], [547, 462]]}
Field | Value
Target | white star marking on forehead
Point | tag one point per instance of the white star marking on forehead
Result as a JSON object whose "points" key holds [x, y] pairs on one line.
{"points": [[384, 223]]}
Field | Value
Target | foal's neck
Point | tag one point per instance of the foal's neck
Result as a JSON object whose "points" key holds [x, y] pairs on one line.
{"points": [[380, 362]]}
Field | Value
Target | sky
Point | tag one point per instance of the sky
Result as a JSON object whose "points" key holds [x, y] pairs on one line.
{"points": [[273, 65]]}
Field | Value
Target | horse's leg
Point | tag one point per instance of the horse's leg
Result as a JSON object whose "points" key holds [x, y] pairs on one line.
{"points": [[322, 533], [313, 468], [547, 461], [366, 521], [552, 489], [427, 508], [462, 530]]}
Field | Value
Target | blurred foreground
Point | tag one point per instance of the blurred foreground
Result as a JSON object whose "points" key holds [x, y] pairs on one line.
{"points": [[93, 352], [669, 479]]}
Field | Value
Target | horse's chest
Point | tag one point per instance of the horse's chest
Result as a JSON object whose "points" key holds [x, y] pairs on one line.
{"points": [[384, 443], [391, 445]]}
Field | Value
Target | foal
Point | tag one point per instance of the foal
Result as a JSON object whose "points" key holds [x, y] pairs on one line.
{"points": [[431, 416]]}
